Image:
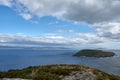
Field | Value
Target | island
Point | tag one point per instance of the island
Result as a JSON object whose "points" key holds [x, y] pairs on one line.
{"points": [[94, 53], [57, 72]]}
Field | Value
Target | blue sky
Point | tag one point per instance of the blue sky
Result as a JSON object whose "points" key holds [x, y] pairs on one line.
{"points": [[75, 24], [13, 23]]}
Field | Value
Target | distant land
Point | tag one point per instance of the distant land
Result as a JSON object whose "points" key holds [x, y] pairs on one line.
{"points": [[94, 53], [34, 48]]}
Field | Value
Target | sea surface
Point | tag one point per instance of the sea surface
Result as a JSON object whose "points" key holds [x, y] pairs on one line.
{"points": [[21, 58]]}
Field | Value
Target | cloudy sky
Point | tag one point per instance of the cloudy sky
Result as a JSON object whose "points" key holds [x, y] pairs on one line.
{"points": [[61, 23]]}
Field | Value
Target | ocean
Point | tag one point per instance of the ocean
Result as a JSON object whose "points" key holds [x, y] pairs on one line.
{"points": [[22, 58]]}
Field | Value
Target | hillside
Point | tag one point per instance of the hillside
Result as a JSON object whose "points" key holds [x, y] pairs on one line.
{"points": [[94, 53], [58, 72]]}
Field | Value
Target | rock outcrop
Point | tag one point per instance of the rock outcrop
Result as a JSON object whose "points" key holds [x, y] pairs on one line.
{"points": [[57, 72]]}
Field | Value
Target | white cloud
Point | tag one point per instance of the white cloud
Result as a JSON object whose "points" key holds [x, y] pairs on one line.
{"points": [[26, 16], [71, 31], [44, 7], [65, 31], [109, 45], [109, 30], [6, 3], [91, 38], [51, 23], [50, 40], [34, 22], [89, 11], [60, 31], [81, 40], [103, 15], [92, 11]]}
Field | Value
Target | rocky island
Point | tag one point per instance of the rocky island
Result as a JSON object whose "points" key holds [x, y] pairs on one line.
{"points": [[94, 53], [57, 72]]}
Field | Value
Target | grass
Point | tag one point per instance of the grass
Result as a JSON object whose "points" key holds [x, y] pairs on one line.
{"points": [[53, 72]]}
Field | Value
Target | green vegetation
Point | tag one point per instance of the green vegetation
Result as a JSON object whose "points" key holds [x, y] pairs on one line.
{"points": [[54, 72], [94, 53]]}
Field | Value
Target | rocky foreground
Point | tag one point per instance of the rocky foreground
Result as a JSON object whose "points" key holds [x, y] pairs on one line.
{"points": [[57, 72], [14, 79]]}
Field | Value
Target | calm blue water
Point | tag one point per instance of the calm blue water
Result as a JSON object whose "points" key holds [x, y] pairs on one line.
{"points": [[18, 59]]}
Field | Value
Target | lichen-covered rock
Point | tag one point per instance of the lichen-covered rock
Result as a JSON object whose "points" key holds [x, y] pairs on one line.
{"points": [[14, 79], [80, 75]]}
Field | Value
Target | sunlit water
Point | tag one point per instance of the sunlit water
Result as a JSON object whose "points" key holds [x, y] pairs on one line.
{"points": [[18, 59]]}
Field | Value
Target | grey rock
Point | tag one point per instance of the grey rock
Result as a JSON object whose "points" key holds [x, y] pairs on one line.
{"points": [[80, 75], [15, 79]]}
